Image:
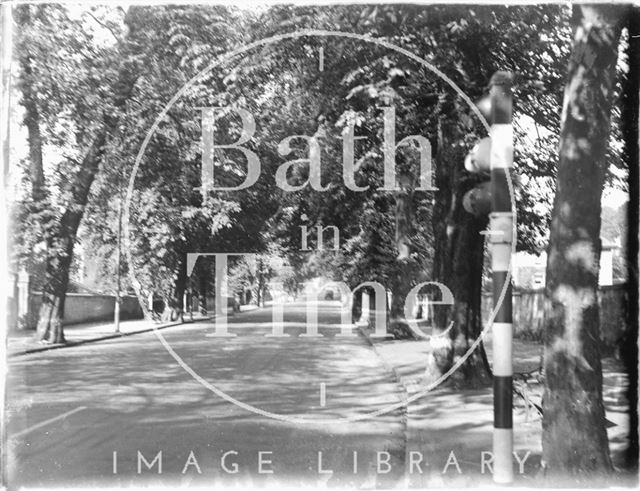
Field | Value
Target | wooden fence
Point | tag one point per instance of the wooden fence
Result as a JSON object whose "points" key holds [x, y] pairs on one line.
{"points": [[528, 313]]}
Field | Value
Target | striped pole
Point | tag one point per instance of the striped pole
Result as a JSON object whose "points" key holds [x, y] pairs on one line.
{"points": [[501, 239]]}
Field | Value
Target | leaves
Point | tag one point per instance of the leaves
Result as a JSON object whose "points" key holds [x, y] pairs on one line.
{"points": [[157, 49]]}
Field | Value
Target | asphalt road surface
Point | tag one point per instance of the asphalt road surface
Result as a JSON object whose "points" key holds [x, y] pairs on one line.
{"points": [[99, 414]]}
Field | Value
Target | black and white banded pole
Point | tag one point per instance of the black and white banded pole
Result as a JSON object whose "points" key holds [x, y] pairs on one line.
{"points": [[501, 237]]}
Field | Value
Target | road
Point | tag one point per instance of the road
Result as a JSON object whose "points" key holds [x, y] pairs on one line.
{"points": [[97, 414]]}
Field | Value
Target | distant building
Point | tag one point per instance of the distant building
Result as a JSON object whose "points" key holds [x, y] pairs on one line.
{"points": [[529, 270], [606, 262]]}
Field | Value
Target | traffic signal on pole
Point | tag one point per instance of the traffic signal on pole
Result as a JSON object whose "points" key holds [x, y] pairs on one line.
{"points": [[484, 106], [477, 200], [477, 160]]}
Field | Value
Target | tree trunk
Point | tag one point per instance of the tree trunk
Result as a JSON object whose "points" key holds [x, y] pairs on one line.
{"points": [[180, 289], [174, 305], [629, 346], [574, 439], [466, 286], [49, 328], [253, 291], [405, 271], [60, 247], [202, 292], [167, 309], [260, 280], [61, 240], [457, 264], [31, 112], [440, 357], [40, 216]]}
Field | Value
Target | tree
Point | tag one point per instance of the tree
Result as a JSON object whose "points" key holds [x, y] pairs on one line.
{"points": [[458, 263], [526, 40], [464, 34], [631, 107], [69, 108], [572, 399], [168, 217]]}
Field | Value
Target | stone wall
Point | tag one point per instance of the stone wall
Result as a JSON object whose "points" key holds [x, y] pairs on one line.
{"points": [[82, 307]]}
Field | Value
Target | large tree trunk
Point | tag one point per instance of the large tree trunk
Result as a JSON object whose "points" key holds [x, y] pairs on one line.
{"points": [[49, 326], [466, 286], [629, 348], [574, 439], [458, 262], [60, 248], [440, 357]]}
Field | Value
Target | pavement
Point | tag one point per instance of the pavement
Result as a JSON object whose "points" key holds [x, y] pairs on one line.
{"points": [[24, 342], [252, 410], [431, 420]]}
